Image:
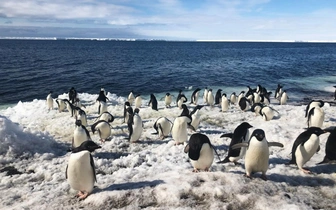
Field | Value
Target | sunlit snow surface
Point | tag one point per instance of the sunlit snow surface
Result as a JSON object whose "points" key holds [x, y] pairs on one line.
{"points": [[154, 173]]}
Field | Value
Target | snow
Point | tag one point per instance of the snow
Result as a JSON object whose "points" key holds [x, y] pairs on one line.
{"points": [[154, 173]]}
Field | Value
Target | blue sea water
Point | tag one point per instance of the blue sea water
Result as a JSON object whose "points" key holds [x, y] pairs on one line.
{"points": [[29, 69]]}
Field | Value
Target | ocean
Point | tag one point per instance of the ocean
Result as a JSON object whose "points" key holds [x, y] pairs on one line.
{"points": [[32, 68]]}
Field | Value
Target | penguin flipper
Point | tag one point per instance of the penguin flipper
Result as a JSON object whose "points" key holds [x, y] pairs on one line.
{"points": [[239, 145], [66, 172], [229, 135], [275, 144], [93, 168]]}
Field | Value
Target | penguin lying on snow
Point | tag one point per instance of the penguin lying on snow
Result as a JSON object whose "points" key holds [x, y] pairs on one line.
{"points": [[257, 153], [80, 171], [305, 146], [200, 151], [239, 135]]}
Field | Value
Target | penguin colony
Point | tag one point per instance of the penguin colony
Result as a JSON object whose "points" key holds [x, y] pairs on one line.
{"points": [[253, 146]]}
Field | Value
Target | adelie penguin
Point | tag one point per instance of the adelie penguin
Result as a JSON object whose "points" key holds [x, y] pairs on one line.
{"points": [[80, 171], [127, 105], [138, 101], [239, 135], [60, 104], [50, 101], [195, 117], [305, 146], [131, 97], [163, 127], [313, 103], [200, 151], [102, 107], [205, 95], [218, 96], [135, 126], [168, 99], [81, 115], [81, 134], [181, 99], [315, 117], [330, 147], [233, 98], [179, 130], [103, 128], [257, 153], [106, 116], [210, 98], [224, 103], [153, 102], [194, 96]]}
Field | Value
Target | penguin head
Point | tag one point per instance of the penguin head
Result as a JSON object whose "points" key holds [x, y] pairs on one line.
{"points": [[136, 110], [316, 130], [78, 123], [258, 134], [246, 125], [224, 94], [127, 103], [167, 94]]}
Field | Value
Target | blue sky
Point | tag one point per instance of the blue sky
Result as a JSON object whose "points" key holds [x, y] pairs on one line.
{"points": [[308, 20]]}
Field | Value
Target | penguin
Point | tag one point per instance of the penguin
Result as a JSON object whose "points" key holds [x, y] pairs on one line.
{"points": [[205, 95], [224, 103], [244, 104], [233, 98], [218, 96], [60, 104], [105, 116], [79, 104], [185, 111], [194, 96], [181, 100], [305, 146], [256, 108], [256, 98], [80, 170], [82, 116], [70, 107], [330, 147], [257, 153], [179, 95], [126, 114], [179, 130], [335, 93], [103, 128], [265, 111], [239, 135], [210, 98], [278, 92], [102, 107], [135, 126], [50, 101], [163, 127], [72, 95], [241, 95], [168, 98], [153, 102], [138, 101], [283, 98], [102, 96], [195, 117], [313, 103], [200, 151], [315, 117], [81, 134], [265, 98], [130, 97]]}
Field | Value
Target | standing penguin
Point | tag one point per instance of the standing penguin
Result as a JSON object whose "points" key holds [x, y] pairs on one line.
{"points": [[80, 171], [102, 96], [138, 101], [200, 151], [244, 104], [194, 96], [240, 96], [50, 101], [210, 98], [81, 115], [134, 125], [305, 146], [130, 97], [315, 117], [126, 114], [205, 95], [233, 98], [330, 147], [257, 153], [70, 107], [218, 96], [283, 98], [72, 95], [168, 100], [195, 117], [335, 93], [179, 130], [278, 92], [103, 128], [239, 135], [81, 134], [60, 104], [163, 127], [102, 107], [224, 103], [153, 102], [313, 103]]}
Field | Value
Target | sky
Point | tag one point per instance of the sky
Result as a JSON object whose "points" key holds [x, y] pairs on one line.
{"points": [[305, 20]]}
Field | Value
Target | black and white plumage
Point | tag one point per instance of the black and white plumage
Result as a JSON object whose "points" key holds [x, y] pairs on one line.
{"points": [[70, 107], [266, 112], [102, 96], [244, 104], [239, 135], [126, 113], [181, 99], [80, 171], [278, 92], [195, 116], [163, 127], [257, 153], [315, 117], [138, 101], [168, 99], [60, 104], [81, 134], [102, 107], [50, 101], [194, 96], [205, 95], [131, 97], [330, 147], [185, 110], [233, 98], [224, 103], [134, 124], [218, 96], [107, 116], [210, 98], [283, 98], [81, 115], [179, 130], [103, 128], [200, 151], [305, 146], [313, 103], [153, 102], [72, 95]]}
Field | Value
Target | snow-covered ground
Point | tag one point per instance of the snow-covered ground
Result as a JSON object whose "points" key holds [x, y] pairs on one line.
{"points": [[154, 173]]}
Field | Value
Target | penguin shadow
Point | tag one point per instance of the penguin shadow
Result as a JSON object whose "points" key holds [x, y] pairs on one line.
{"points": [[309, 181], [208, 131], [278, 161], [332, 119], [326, 168], [109, 155], [148, 141], [132, 185]]}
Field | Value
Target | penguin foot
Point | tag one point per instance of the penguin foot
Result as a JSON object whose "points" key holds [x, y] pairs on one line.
{"points": [[263, 177], [195, 170], [306, 171], [102, 140], [82, 195], [248, 176]]}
